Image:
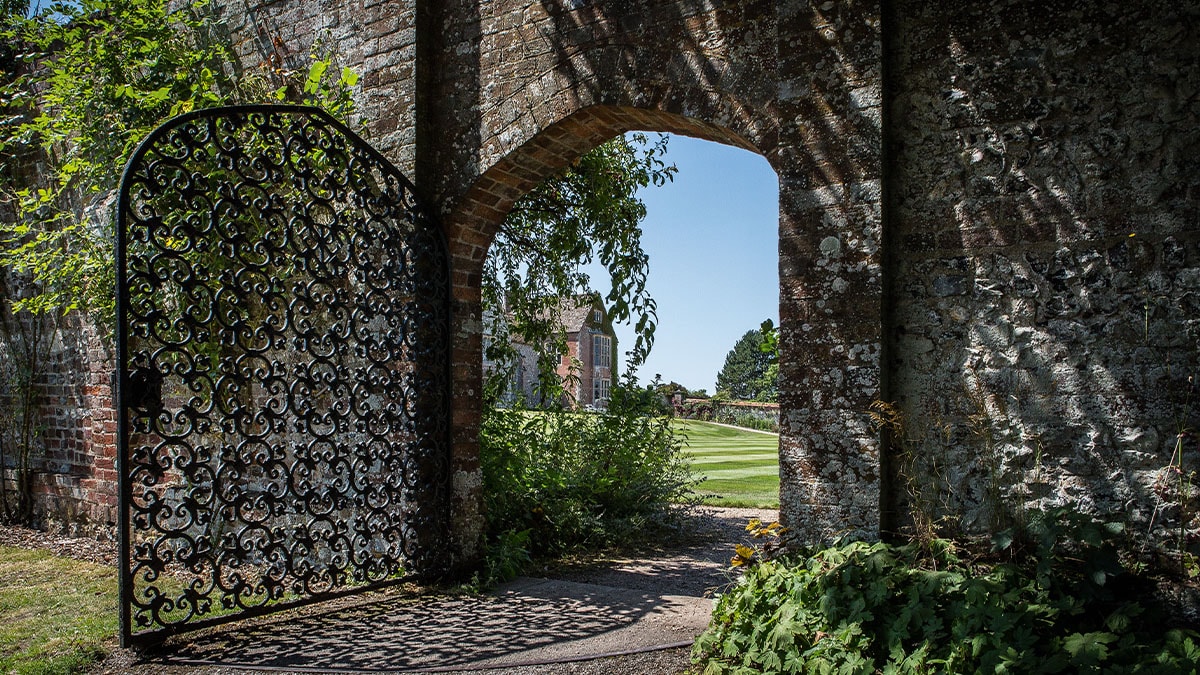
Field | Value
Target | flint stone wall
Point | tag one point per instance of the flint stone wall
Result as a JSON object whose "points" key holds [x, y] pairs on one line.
{"points": [[1044, 256]]}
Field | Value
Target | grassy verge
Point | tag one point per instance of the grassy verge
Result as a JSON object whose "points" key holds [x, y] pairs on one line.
{"points": [[55, 613], [741, 467]]}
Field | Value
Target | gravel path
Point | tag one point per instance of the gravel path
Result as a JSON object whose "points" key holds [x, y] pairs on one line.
{"points": [[696, 565]]}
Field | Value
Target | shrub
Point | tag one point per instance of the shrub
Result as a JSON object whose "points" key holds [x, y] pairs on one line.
{"points": [[1064, 606], [721, 411], [697, 410], [579, 480], [746, 420]]}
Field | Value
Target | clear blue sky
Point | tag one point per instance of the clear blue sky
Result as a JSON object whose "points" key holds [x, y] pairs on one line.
{"points": [[712, 238]]}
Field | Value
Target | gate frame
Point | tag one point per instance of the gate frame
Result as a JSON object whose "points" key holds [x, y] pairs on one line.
{"points": [[122, 386]]}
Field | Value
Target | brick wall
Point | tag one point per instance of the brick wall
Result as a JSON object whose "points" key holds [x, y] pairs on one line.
{"points": [[73, 476]]}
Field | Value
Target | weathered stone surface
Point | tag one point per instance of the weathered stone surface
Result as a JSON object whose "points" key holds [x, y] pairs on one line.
{"points": [[524, 88], [1044, 204]]}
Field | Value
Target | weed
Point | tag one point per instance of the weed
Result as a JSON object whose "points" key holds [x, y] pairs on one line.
{"points": [[921, 474], [1175, 488], [505, 557], [979, 424], [774, 537]]}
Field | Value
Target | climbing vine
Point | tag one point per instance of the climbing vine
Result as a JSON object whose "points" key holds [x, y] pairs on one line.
{"points": [[89, 80], [81, 84]]}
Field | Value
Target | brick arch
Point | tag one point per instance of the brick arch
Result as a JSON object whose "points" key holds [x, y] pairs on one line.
{"points": [[472, 224], [549, 80], [826, 477], [473, 221]]}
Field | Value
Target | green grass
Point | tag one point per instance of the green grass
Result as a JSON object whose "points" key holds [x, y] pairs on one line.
{"points": [[55, 613], [741, 467]]}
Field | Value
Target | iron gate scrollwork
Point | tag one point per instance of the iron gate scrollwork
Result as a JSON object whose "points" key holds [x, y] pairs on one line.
{"points": [[283, 360]]}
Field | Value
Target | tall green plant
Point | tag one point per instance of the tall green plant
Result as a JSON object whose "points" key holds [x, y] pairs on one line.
{"points": [[90, 80], [94, 78], [25, 343], [576, 480]]}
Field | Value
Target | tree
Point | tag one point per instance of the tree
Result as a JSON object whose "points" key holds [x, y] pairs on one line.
{"points": [[670, 389], [13, 7], [92, 79], [747, 374], [770, 347], [590, 212]]}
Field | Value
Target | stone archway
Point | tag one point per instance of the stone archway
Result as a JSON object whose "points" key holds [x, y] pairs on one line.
{"points": [[798, 84], [829, 455], [1020, 159], [479, 101], [472, 226]]}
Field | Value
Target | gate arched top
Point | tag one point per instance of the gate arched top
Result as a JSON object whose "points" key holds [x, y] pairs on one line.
{"points": [[282, 330]]}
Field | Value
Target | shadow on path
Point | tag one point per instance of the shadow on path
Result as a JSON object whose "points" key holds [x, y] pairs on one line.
{"points": [[528, 621], [617, 607]]}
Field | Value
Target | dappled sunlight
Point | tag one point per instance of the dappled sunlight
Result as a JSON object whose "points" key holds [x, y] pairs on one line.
{"points": [[533, 622], [1031, 296]]}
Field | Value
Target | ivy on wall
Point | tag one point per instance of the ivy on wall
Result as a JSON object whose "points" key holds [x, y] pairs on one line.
{"points": [[88, 82]]}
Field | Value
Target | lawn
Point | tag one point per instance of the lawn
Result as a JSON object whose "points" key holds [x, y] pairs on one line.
{"points": [[55, 613], [741, 467]]}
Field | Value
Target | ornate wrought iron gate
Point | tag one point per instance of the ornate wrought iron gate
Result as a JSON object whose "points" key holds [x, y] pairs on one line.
{"points": [[283, 362]]}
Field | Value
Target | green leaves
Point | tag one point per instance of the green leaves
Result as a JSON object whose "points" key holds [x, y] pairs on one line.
{"points": [[316, 73], [574, 480], [88, 81], [751, 369], [923, 608], [589, 213], [106, 74], [1088, 649]]}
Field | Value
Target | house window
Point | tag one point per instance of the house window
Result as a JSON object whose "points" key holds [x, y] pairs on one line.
{"points": [[600, 391], [598, 316], [601, 351]]}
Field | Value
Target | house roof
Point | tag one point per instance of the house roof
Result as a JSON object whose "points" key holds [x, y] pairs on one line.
{"points": [[574, 312]]}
